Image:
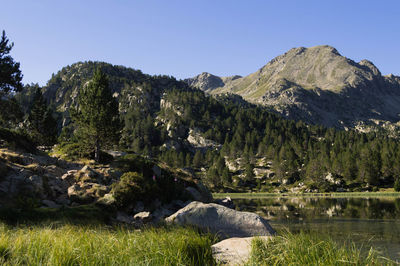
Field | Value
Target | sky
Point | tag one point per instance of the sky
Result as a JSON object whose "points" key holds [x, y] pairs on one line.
{"points": [[183, 38]]}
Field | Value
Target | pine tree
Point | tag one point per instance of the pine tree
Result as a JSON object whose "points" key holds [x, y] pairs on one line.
{"points": [[10, 74], [10, 81], [198, 159], [42, 125], [97, 117], [249, 172]]}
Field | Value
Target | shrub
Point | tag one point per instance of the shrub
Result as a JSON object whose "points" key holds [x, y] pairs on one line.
{"points": [[132, 187], [75, 151], [397, 185], [17, 140]]}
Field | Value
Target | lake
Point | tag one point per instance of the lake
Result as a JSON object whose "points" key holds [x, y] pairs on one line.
{"points": [[369, 222]]}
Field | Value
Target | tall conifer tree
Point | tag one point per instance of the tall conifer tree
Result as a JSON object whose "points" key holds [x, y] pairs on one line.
{"points": [[97, 116], [42, 125]]}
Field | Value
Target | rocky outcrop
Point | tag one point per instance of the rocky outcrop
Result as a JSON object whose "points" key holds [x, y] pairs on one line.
{"points": [[197, 141], [221, 220], [205, 82], [52, 181]]}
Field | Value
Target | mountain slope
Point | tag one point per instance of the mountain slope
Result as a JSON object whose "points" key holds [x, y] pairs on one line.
{"points": [[320, 86]]}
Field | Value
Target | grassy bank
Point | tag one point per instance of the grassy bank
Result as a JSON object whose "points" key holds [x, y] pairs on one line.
{"points": [[327, 195], [309, 249], [101, 245]]}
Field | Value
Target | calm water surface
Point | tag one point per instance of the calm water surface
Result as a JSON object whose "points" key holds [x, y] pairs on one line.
{"points": [[369, 222]]}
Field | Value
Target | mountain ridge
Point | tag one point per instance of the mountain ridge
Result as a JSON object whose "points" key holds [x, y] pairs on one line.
{"points": [[320, 86]]}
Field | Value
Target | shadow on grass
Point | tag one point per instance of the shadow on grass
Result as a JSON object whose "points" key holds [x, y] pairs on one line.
{"points": [[79, 215]]}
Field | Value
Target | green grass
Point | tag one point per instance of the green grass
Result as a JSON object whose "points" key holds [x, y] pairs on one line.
{"points": [[309, 249], [102, 245], [79, 215], [327, 194]]}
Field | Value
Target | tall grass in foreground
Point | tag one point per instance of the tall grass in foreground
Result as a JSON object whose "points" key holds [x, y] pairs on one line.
{"points": [[84, 245], [310, 249]]}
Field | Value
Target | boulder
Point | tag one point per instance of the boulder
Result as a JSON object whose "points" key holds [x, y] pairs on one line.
{"points": [[69, 177], [37, 183], [50, 204], [124, 218], [221, 220], [108, 199], [227, 202], [143, 217], [63, 200], [79, 194], [88, 171], [234, 251], [161, 213], [54, 170]]}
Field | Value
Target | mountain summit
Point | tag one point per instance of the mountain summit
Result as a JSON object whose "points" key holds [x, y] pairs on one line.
{"points": [[319, 86]]}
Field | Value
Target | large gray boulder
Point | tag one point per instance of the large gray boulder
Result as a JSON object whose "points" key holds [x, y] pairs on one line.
{"points": [[222, 220], [234, 251]]}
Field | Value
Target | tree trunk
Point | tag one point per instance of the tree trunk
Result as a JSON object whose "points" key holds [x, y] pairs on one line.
{"points": [[97, 151]]}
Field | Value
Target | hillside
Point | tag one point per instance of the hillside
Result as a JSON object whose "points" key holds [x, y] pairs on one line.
{"points": [[230, 144], [319, 86]]}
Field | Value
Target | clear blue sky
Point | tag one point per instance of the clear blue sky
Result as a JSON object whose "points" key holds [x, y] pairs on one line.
{"points": [[186, 37]]}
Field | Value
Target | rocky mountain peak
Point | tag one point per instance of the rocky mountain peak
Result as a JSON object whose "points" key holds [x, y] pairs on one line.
{"points": [[370, 66], [205, 82], [320, 86]]}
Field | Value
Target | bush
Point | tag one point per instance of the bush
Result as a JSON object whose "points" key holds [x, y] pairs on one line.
{"points": [[75, 151], [17, 140], [397, 185], [133, 187]]}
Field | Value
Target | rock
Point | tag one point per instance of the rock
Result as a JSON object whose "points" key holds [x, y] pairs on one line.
{"points": [[54, 170], [234, 251], [116, 154], [161, 213], [205, 82], [63, 200], [227, 202], [88, 171], [221, 220], [37, 182], [108, 199], [156, 203], [143, 217], [124, 218], [50, 204], [78, 194], [196, 139], [69, 177]]}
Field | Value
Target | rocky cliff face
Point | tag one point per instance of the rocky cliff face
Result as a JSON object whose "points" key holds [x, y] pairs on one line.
{"points": [[320, 86]]}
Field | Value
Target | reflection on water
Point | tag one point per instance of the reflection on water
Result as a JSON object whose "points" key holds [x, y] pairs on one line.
{"points": [[369, 222]]}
